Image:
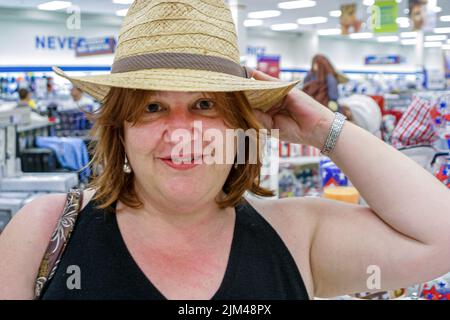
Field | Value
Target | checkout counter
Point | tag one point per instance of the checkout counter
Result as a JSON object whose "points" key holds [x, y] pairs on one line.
{"points": [[18, 188]]}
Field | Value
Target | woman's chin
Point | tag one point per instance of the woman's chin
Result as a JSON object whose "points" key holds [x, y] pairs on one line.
{"points": [[184, 189]]}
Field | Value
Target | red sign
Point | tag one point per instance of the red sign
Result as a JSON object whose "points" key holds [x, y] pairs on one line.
{"points": [[269, 65]]}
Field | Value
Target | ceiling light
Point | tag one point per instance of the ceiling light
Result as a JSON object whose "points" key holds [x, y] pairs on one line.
{"points": [[264, 14], [436, 38], [433, 44], [441, 30], [252, 23], [388, 39], [297, 4], [404, 25], [437, 9], [54, 5], [445, 18], [312, 20], [408, 34], [329, 32], [335, 13], [409, 42], [284, 26], [402, 20], [361, 35], [123, 1], [122, 13], [446, 47], [369, 3]]}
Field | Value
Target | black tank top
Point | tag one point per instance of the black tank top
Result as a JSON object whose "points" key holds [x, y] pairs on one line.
{"points": [[259, 266]]}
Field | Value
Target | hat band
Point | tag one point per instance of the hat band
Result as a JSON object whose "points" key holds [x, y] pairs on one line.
{"points": [[173, 60]]}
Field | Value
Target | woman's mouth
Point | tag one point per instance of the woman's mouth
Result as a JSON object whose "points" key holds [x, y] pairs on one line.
{"points": [[183, 163]]}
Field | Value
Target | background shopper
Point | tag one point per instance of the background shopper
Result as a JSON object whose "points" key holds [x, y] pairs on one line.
{"points": [[321, 83]]}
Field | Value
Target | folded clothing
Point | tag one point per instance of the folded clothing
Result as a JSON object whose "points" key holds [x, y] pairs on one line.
{"points": [[415, 127], [71, 153]]}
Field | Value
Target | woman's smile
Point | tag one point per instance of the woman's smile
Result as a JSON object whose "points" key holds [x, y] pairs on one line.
{"points": [[187, 162]]}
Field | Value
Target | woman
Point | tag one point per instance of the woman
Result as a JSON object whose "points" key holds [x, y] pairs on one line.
{"points": [[155, 228], [321, 83]]}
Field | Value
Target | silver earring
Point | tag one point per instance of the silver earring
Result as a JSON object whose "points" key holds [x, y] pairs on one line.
{"points": [[236, 165], [126, 166]]}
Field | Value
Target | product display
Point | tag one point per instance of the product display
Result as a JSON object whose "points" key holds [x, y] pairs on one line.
{"points": [[345, 194], [389, 79]]}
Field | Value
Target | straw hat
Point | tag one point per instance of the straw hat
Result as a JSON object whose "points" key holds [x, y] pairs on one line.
{"points": [[182, 45]]}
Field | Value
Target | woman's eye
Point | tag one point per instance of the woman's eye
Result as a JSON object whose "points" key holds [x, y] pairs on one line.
{"points": [[204, 105], [154, 107]]}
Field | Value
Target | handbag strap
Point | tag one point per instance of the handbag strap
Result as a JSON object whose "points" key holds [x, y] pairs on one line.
{"points": [[58, 241]]}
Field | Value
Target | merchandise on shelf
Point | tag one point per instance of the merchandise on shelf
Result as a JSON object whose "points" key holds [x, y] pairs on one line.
{"points": [[344, 194], [298, 181], [442, 170], [438, 289], [364, 112], [38, 160], [72, 123], [331, 175], [288, 184], [291, 150], [382, 295]]}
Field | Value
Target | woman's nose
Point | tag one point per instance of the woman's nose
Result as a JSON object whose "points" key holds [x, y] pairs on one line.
{"points": [[179, 118], [180, 121]]}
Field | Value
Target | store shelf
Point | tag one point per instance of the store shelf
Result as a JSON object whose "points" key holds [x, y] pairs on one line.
{"points": [[363, 72], [300, 161], [34, 125], [19, 69]]}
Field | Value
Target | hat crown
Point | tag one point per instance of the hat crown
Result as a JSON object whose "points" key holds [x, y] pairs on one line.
{"points": [[202, 27]]}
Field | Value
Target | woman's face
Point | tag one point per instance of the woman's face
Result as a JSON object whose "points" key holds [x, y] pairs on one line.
{"points": [[166, 151]]}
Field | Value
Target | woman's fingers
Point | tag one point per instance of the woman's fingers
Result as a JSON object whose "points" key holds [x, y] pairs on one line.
{"points": [[259, 75], [264, 119]]}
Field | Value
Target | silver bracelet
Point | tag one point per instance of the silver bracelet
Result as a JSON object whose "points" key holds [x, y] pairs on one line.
{"points": [[333, 135]]}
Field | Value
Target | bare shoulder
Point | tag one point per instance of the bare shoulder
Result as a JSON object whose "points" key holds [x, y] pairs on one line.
{"points": [[289, 215], [24, 241], [298, 219], [295, 221]]}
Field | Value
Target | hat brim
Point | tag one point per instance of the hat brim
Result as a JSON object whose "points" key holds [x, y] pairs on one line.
{"points": [[260, 94]]}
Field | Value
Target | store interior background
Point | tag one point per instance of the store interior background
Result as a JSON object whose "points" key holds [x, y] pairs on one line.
{"points": [[34, 40], [22, 22]]}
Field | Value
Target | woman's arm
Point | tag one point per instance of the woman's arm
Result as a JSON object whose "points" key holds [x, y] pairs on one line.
{"points": [[406, 230], [23, 243], [400, 191]]}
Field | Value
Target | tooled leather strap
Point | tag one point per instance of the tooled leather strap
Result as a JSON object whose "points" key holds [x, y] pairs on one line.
{"points": [[59, 240]]}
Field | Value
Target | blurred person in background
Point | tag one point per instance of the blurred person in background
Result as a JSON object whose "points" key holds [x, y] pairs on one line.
{"points": [[25, 99], [81, 100], [322, 81], [418, 13]]}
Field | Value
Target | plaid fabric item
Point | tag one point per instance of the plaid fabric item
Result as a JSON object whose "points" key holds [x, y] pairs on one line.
{"points": [[415, 127]]}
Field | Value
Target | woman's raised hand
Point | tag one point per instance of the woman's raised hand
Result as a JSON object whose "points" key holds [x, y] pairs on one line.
{"points": [[300, 118]]}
